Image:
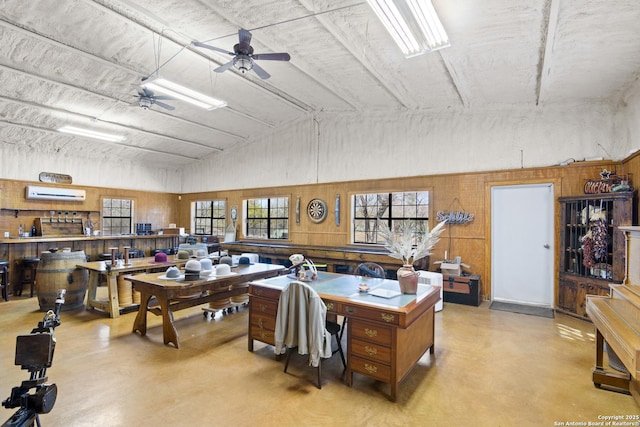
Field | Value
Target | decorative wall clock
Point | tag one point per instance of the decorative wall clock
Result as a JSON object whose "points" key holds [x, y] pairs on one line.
{"points": [[317, 210]]}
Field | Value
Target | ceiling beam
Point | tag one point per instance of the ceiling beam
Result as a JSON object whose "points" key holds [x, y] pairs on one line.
{"points": [[550, 25], [120, 144], [92, 119], [135, 73]]}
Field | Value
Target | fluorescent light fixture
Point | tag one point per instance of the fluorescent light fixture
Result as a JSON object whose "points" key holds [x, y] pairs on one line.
{"points": [[91, 134], [184, 93], [413, 24]]}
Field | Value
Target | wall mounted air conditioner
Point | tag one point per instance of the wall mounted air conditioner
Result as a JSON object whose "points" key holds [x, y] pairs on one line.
{"points": [[51, 193]]}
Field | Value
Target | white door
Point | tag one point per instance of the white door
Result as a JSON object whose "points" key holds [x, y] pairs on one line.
{"points": [[522, 231]]}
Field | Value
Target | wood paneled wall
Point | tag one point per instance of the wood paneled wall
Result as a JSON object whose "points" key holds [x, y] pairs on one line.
{"points": [[463, 191], [460, 191], [159, 209]]}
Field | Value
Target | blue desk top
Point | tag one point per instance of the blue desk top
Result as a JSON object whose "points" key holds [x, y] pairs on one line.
{"points": [[346, 286]]}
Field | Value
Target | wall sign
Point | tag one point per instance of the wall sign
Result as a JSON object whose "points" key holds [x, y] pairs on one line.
{"points": [[55, 178]]}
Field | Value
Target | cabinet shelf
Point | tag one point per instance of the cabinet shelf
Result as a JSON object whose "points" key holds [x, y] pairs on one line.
{"points": [[587, 266]]}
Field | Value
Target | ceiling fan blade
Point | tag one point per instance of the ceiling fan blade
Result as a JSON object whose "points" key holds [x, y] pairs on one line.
{"points": [[217, 49], [146, 92], [244, 36], [166, 97], [224, 67], [260, 71], [163, 105], [272, 56]]}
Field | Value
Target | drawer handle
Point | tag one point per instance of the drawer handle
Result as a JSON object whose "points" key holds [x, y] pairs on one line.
{"points": [[350, 310], [263, 335], [387, 317], [257, 291], [370, 368], [371, 332], [263, 308], [330, 306], [260, 323], [370, 350]]}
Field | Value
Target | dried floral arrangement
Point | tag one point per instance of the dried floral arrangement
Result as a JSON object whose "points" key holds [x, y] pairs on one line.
{"points": [[401, 246]]}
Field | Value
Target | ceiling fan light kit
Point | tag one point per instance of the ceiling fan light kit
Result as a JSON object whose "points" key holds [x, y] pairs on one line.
{"points": [[182, 93], [91, 134], [413, 24], [243, 56]]}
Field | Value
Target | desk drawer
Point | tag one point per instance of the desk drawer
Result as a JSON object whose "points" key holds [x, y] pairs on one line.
{"points": [[261, 291], [371, 351], [366, 367], [370, 314], [263, 321], [265, 335], [370, 332], [264, 306], [333, 307]]}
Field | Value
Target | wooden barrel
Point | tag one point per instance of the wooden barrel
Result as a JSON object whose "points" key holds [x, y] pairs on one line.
{"points": [[58, 271]]}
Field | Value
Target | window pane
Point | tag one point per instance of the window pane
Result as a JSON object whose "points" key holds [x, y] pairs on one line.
{"points": [[117, 216], [398, 210], [210, 217], [267, 218]]}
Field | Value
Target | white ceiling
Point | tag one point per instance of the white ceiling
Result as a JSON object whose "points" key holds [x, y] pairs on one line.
{"points": [[74, 62]]}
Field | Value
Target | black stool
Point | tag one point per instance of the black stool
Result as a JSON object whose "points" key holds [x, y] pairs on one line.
{"points": [[4, 279], [27, 275]]}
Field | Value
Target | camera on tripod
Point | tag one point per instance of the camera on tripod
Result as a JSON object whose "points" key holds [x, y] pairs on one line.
{"points": [[34, 353]]}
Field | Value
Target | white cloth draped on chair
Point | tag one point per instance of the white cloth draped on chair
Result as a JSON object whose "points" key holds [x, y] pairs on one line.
{"points": [[301, 322]]}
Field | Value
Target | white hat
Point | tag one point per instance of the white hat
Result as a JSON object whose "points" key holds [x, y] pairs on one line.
{"points": [[223, 270], [206, 264]]}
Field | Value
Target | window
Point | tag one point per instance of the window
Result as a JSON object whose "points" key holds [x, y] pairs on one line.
{"points": [[117, 216], [210, 217], [399, 210], [267, 218]]}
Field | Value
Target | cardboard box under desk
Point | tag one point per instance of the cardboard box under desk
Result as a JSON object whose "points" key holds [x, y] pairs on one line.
{"points": [[461, 289]]}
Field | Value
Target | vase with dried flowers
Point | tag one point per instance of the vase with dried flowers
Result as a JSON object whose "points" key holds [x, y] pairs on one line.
{"points": [[401, 246]]}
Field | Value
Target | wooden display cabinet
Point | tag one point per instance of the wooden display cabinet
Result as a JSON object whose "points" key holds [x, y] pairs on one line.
{"points": [[577, 280]]}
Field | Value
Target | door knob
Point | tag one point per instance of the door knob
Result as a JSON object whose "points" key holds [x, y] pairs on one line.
{"points": [[546, 246]]}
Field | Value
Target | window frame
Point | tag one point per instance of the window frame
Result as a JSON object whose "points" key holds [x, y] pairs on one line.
{"points": [[104, 219], [394, 221], [271, 227], [220, 230]]}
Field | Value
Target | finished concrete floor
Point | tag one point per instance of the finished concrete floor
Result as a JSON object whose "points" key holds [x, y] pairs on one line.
{"points": [[491, 368]]}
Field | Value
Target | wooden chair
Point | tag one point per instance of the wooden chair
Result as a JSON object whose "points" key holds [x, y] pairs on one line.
{"points": [[301, 324]]}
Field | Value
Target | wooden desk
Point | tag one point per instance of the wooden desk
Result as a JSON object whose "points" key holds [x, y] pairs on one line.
{"points": [[176, 295], [136, 265], [385, 337]]}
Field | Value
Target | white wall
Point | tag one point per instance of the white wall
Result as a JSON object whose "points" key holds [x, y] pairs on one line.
{"points": [[22, 163], [339, 147], [628, 122]]}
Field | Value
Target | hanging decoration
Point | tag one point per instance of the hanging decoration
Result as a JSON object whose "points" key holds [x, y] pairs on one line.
{"points": [[455, 217], [609, 182], [458, 217]]}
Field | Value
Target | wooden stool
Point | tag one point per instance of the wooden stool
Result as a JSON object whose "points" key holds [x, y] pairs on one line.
{"points": [[27, 275], [4, 279]]}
